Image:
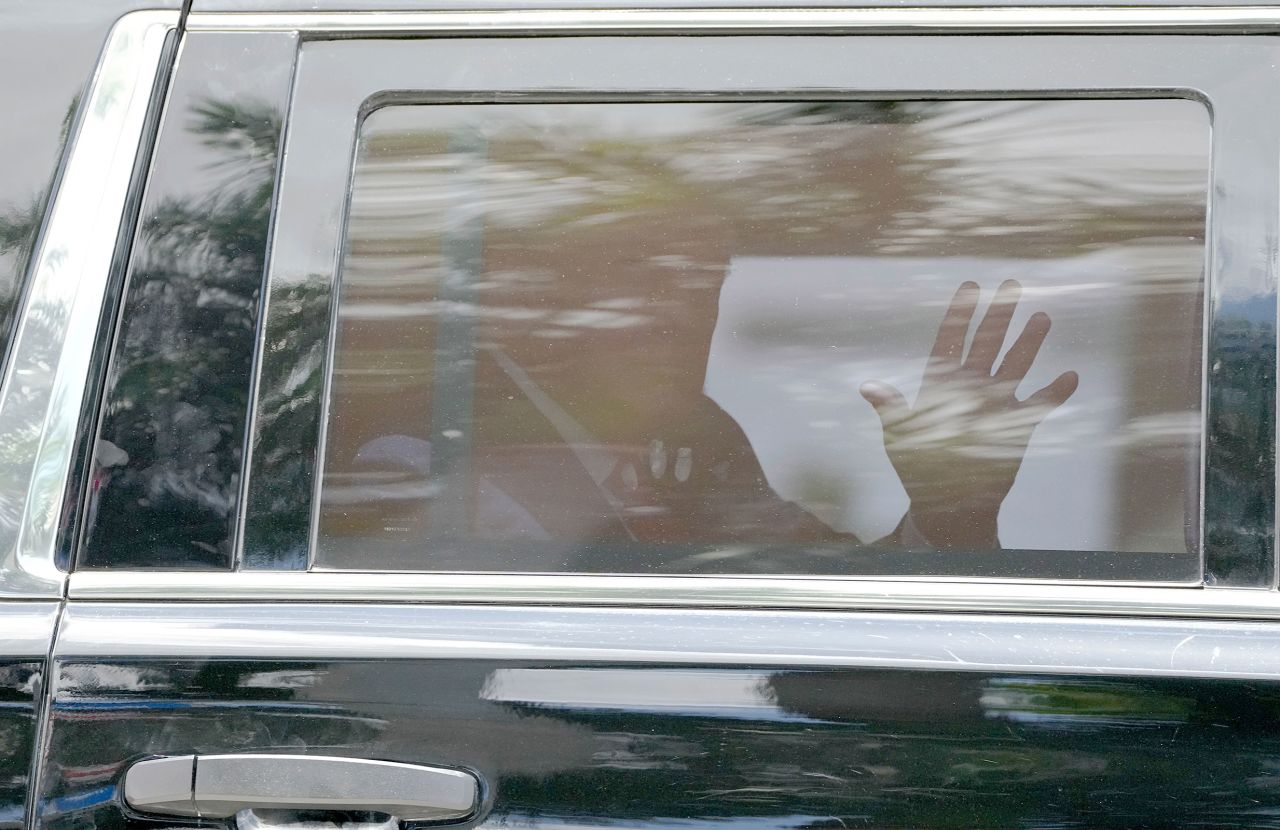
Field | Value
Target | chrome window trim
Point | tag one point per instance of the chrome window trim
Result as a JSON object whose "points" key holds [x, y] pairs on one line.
{"points": [[26, 629], [49, 365], [649, 636], [917, 20], [904, 594]]}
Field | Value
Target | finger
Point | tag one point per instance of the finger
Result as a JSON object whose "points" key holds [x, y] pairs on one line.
{"points": [[887, 401], [1055, 394], [949, 344], [657, 458], [1017, 362], [994, 326]]}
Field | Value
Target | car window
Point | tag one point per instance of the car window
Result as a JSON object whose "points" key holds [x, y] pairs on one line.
{"points": [[768, 336], [1006, 312], [580, 171]]}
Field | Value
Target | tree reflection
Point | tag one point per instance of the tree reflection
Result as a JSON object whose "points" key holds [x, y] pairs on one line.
{"points": [[19, 229], [170, 447], [280, 496], [18, 232]]}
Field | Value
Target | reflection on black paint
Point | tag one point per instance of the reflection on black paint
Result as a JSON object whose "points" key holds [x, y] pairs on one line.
{"points": [[19, 684], [1241, 433], [40, 108], [289, 396], [19, 226], [168, 456], [167, 469], [847, 748]]}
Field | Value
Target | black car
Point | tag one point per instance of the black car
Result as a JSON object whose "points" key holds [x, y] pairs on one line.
{"points": [[589, 415]]}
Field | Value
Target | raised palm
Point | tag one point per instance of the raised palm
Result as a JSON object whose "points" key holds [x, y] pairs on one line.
{"points": [[958, 448]]}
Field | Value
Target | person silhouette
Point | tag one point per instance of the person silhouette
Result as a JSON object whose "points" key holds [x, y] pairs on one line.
{"points": [[957, 447]]}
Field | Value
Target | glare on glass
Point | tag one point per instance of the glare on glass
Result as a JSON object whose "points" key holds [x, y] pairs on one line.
{"points": [[745, 337]]}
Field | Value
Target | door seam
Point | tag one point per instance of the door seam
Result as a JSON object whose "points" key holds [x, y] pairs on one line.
{"points": [[43, 724]]}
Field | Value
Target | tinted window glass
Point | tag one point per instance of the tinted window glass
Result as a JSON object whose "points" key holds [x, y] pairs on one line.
{"points": [[165, 482], [744, 337]]}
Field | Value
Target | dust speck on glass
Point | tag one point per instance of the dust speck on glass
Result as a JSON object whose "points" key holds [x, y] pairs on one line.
{"points": [[767, 337]]}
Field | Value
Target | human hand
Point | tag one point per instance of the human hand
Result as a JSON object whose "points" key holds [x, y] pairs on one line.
{"points": [[958, 449], [697, 478]]}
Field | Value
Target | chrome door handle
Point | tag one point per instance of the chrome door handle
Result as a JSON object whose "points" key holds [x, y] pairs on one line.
{"points": [[219, 786]]}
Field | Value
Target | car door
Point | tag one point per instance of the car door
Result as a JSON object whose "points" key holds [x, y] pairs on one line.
{"points": [[665, 417]]}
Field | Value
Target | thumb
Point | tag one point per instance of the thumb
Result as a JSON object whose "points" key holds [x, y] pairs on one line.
{"points": [[888, 402]]}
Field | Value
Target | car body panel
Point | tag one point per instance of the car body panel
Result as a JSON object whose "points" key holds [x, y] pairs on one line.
{"points": [[678, 718]]}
